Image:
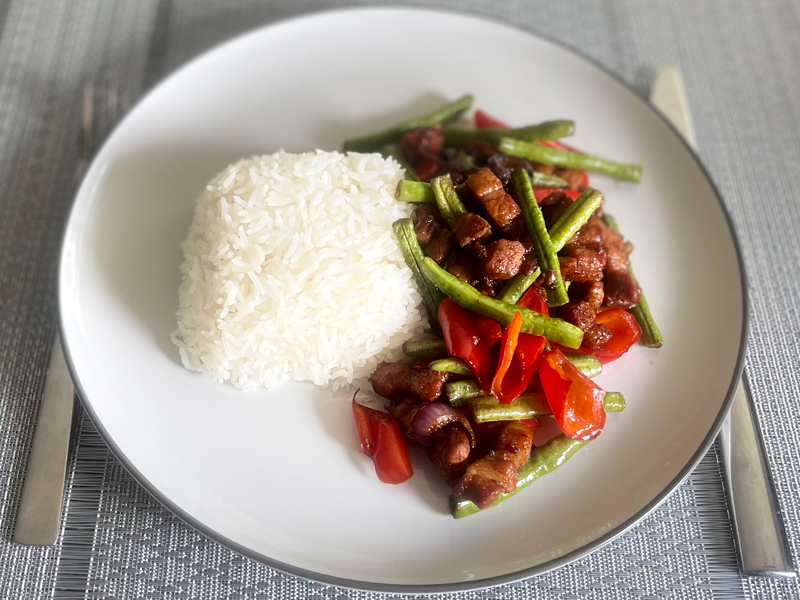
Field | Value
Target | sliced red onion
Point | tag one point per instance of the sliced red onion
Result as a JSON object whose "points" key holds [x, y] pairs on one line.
{"points": [[431, 417]]}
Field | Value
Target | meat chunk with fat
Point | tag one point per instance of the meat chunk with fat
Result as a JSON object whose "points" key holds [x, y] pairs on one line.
{"points": [[495, 473], [621, 290], [503, 211], [449, 452], [503, 259], [441, 245], [427, 223], [424, 144], [553, 206], [585, 300], [577, 312], [582, 263], [463, 268], [485, 186], [596, 336], [488, 190], [486, 286], [396, 380], [471, 228], [449, 445], [575, 178]]}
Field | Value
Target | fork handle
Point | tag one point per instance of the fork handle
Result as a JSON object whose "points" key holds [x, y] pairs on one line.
{"points": [[763, 547], [39, 516]]}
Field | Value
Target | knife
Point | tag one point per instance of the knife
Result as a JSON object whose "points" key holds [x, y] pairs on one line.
{"points": [[760, 533]]}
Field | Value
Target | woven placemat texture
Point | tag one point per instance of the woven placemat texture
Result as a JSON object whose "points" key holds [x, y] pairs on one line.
{"points": [[739, 62]]}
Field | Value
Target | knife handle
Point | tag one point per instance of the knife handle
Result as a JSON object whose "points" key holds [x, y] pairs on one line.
{"points": [[762, 543]]}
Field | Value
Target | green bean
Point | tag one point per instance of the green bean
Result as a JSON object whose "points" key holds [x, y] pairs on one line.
{"points": [[412, 253], [424, 348], [555, 330], [572, 160], [651, 334], [614, 402], [537, 229], [586, 364], [451, 365], [544, 459], [459, 392], [487, 409], [442, 115], [415, 192], [548, 181], [560, 233], [459, 137], [516, 287], [447, 200], [391, 150], [419, 256], [575, 217]]}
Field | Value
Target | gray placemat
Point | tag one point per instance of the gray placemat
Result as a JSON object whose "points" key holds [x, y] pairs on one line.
{"points": [[739, 62]]}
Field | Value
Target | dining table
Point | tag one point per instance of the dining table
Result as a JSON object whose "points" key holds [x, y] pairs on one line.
{"points": [[740, 65]]}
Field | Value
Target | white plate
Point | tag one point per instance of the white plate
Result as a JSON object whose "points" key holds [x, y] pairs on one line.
{"points": [[279, 476]]}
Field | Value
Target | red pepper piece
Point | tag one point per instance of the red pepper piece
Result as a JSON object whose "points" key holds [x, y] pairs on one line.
{"points": [[522, 368], [382, 440], [625, 332], [470, 337], [485, 121], [534, 301], [508, 346], [517, 374], [541, 193], [576, 401], [535, 384]]}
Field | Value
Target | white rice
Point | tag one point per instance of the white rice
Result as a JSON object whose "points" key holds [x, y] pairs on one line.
{"points": [[291, 272]]}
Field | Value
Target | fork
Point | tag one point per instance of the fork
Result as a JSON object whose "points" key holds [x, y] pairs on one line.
{"points": [[39, 516]]}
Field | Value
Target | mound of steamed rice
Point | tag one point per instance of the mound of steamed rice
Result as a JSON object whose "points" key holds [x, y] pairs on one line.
{"points": [[291, 272]]}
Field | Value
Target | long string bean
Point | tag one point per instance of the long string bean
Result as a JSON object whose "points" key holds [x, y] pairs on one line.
{"points": [[571, 160], [447, 113], [555, 330], [542, 244], [549, 130], [544, 459], [651, 334]]}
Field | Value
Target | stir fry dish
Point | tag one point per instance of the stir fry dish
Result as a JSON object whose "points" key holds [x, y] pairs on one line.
{"points": [[529, 289]]}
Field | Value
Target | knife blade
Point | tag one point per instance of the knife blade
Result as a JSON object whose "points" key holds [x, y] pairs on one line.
{"points": [[757, 522]]}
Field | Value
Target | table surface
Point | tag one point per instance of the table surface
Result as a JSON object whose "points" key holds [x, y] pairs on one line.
{"points": [[739, 62]]}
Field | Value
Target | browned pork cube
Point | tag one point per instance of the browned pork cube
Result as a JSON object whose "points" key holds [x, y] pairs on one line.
{"points": [[503, 259], [470, 228]]}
